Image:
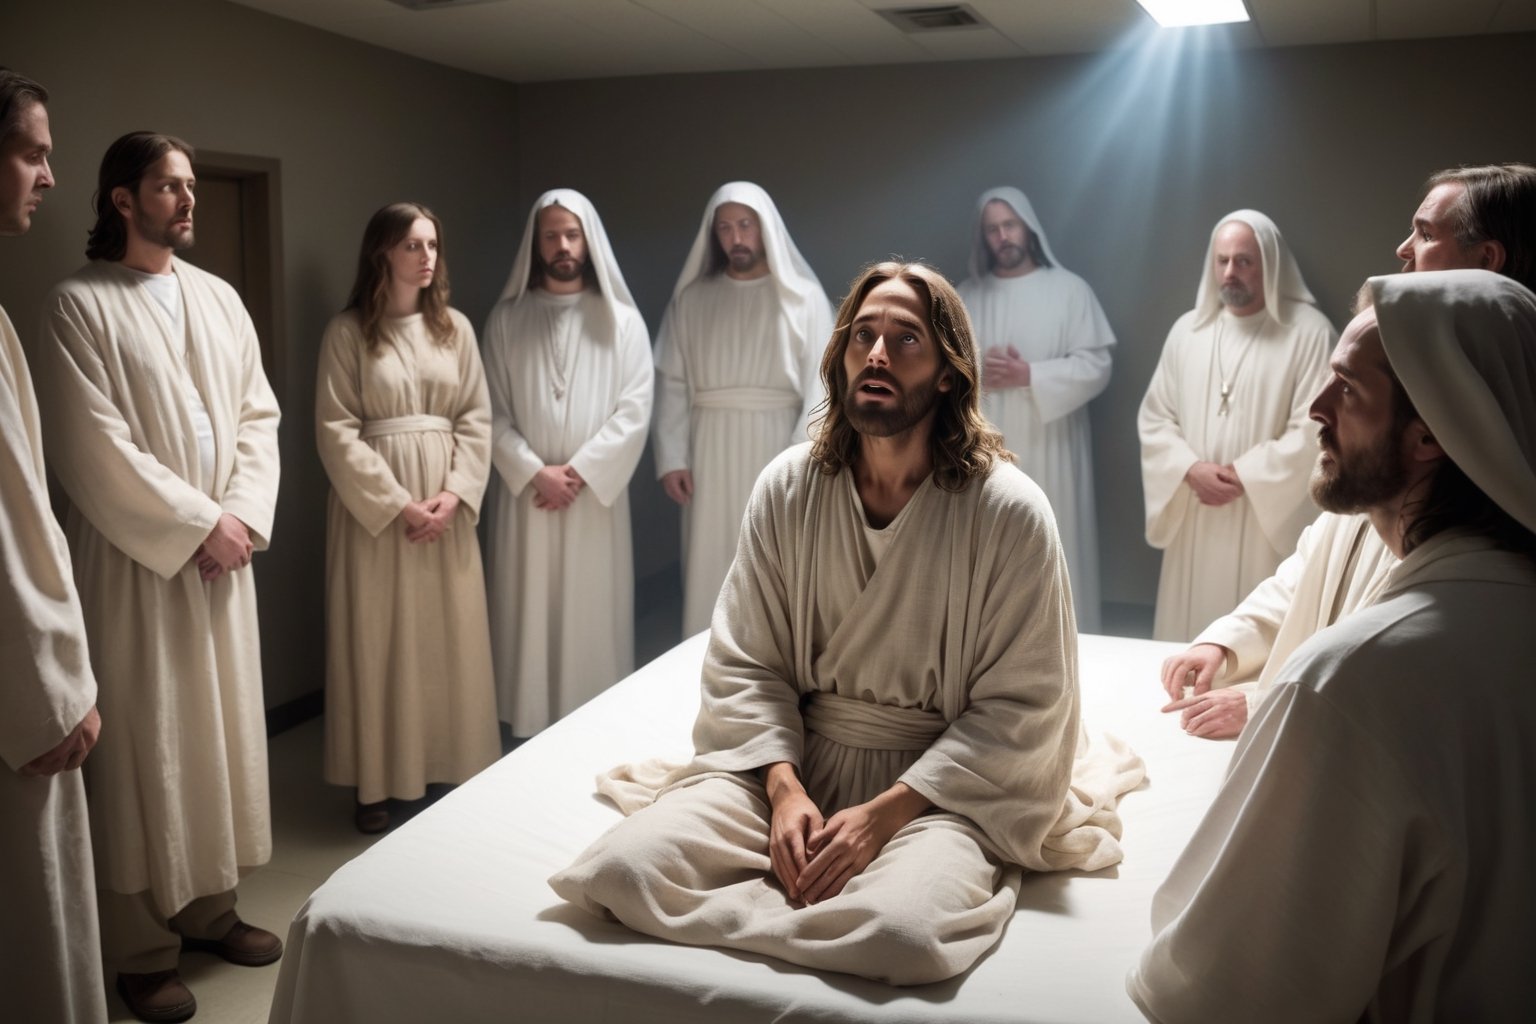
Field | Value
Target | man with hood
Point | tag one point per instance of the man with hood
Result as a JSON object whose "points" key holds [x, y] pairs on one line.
{"points": [[1047, 355], [1368, 856], [1226, 444], [736, 376], [567, 361]]}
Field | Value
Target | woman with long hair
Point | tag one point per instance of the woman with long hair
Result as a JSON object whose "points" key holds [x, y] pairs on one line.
{"points": [[403, 424]]}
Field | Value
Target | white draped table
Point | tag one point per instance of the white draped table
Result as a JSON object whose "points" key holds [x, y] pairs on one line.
{"points": [[449, 918]]}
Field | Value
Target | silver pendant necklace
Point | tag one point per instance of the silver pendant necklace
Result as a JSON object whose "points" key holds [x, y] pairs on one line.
{"points": [[1226, 380]]}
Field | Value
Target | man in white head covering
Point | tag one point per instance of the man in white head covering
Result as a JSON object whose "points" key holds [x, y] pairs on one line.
{"points": [[1047, 354], [1225, 440], [51, 969], [1369, 855], [1480, 217], [737, 376], [567, 360]]}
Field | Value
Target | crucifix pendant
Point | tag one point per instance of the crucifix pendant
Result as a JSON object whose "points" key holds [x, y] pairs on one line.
{"points": [[1226, 393]]}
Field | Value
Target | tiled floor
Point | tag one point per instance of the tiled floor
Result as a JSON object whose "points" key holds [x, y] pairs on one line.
{"points": [[312, 832]]}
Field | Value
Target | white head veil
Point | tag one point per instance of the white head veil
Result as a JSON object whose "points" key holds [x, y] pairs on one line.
{"points": [[1463, 343], [792, 275], [610, 281], [1283, 286], [1021, 205]]}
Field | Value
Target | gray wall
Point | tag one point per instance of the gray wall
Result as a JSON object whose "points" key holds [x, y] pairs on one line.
{"points": [[1129, 159], [354, 126]]}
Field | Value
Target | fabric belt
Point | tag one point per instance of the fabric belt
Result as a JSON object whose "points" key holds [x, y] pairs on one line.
{"points": [[406, 425], [749, 399], [868, 726]]}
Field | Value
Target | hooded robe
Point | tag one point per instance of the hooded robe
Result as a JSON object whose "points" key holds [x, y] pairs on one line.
{"points": [[737, 378]]}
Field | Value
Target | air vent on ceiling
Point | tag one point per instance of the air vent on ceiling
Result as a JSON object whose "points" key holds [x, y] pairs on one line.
{"points": [[432, 5], [931, 19]]}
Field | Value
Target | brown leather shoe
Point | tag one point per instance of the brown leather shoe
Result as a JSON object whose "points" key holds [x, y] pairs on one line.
{"points": [[156, 997], [243, 944], [371, 819]]}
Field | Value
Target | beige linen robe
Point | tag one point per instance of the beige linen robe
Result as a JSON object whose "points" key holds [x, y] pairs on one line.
{"points": [[736, 381], [951, 667], [563, 583], [51, 966], [1340, 564], [1369, 855], [1213, 556], [409, 696], [178, 783], [1054, 320]]}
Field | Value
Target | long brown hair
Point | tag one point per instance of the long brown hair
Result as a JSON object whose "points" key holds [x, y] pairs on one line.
{"points": [[370, 289], [124, 165], [963, 444]]}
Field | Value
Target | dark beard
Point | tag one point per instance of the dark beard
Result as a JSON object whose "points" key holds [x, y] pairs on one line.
{"points": [[1008, 257], [556, 273], [1358, 482], [908, 411], [743, 260], [163, 236]]}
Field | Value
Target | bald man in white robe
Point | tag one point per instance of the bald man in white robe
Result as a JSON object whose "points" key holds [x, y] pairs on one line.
{"points": [[1047, 352], [1369, 855], [51, 967], [1225, 439], [737, 376], [567, 362]]}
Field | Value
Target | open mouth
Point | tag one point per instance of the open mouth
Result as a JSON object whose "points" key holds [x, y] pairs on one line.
{"points": [[877, 387]]}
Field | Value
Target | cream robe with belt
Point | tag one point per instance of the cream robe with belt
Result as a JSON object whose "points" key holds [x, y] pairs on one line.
{"points": [[1213, 556], [178, 783], [409, 695], [51, 968], [568, 386], [736, 381], [951, 667]]}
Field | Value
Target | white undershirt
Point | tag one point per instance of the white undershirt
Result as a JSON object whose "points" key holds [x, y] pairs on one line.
{"points": [[166, 290]]}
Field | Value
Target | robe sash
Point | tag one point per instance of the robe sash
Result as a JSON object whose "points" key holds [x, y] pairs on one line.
{"points": [[869, 726], [416, 424], [749, 399]]}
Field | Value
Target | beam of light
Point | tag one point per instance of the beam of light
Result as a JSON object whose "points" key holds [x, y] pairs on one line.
{"points": [[1182, 13]]}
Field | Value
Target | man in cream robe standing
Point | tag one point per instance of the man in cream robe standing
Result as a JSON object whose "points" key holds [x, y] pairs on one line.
{"points": [[1225, 440], [737, 377], [51, 968], [1368, 857], [1047, 345], [567, 359], [1481, 217], [889, 725], [163, 430]]}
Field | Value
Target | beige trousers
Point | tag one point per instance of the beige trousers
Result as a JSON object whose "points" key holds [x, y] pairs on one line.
{"points": [[137, 939]]}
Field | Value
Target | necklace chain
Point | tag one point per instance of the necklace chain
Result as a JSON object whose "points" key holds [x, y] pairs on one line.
{"points": [[1227, 382]]}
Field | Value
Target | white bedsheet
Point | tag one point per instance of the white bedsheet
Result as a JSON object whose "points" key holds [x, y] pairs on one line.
{"points": [[449, 918]]}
